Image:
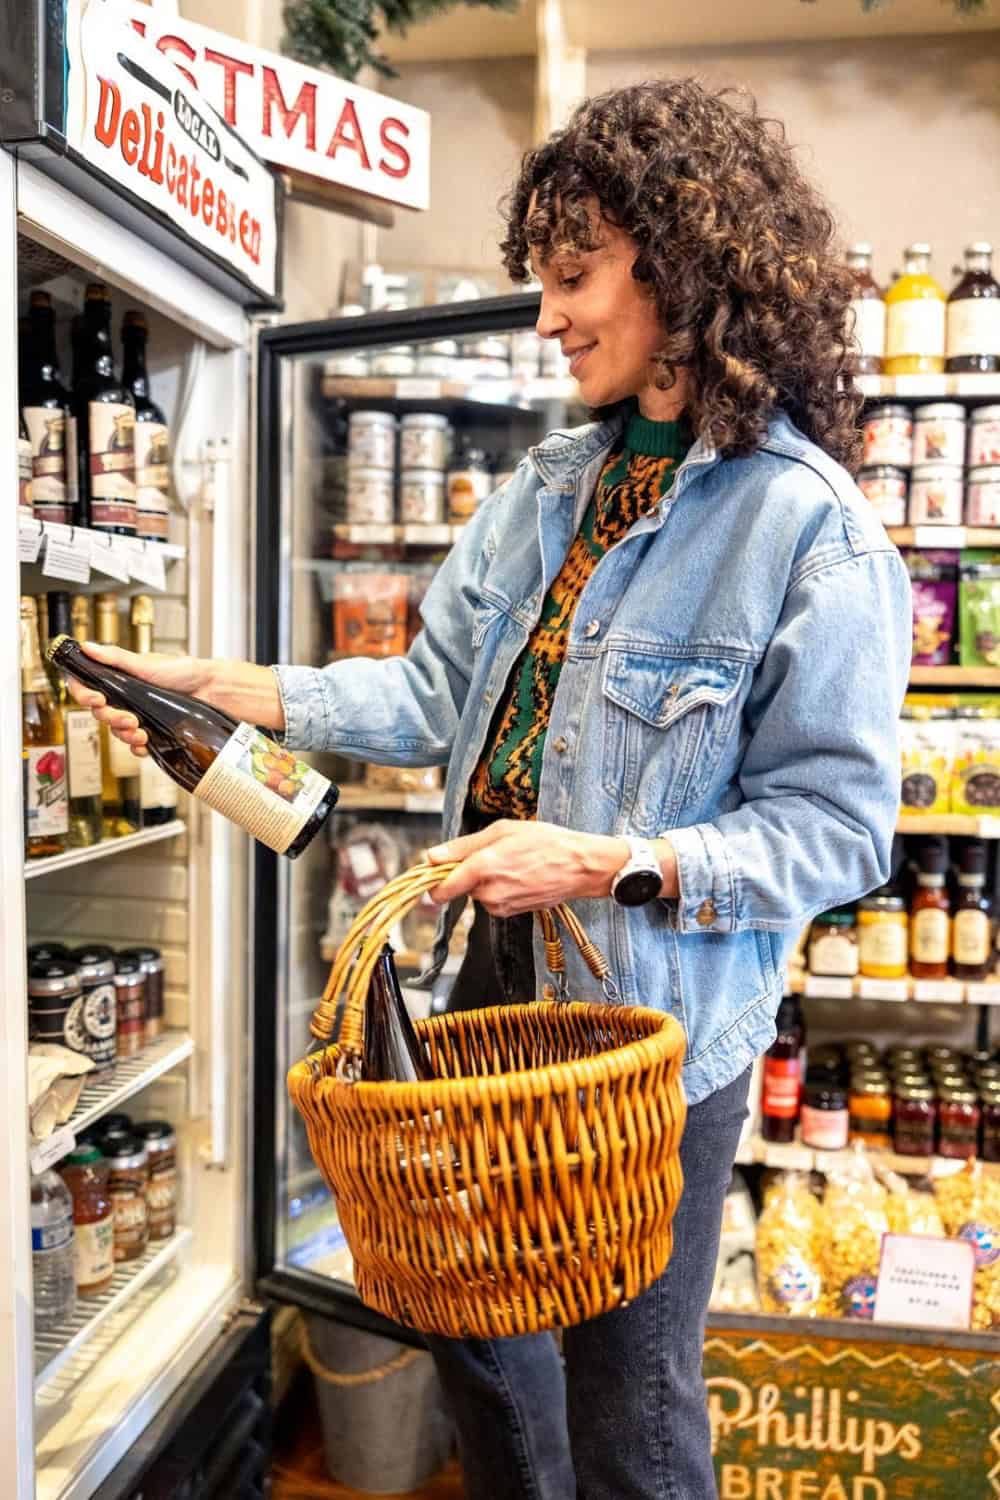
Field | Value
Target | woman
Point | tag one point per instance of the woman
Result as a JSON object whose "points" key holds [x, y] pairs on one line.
{"points": [[664, 666]]}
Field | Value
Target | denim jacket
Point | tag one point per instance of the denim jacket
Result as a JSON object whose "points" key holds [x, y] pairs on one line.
{"points": [[733, 679]]}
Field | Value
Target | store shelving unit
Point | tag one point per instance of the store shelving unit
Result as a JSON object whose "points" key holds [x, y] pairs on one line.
{"points": [[955, 677], [107, 847], [52, 555], [523, 393], [951, 825]]}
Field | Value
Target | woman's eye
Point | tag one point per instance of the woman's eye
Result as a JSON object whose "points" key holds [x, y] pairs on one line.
{"points": [[570, 281]]}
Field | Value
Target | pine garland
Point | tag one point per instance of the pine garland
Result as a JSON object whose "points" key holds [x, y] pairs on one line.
{"points": [[342, 34]]}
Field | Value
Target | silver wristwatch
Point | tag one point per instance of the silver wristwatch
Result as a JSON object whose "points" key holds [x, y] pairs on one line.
{"points": [[640, 877]]}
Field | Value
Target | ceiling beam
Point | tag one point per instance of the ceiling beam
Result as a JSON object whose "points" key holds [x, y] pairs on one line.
{"points": [[561, 70]]}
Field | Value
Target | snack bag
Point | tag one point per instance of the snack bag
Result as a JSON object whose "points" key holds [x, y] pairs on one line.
{"points": [[911, 1210], [853, 1223], [969, 1202], [975, 784], [927, 746], [934, 585], [979, 608], [788, 1234]]}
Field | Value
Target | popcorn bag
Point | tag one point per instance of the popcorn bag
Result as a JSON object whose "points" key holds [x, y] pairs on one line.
{"points": [[853, 1223], [969, 1202], [788, 1246]]}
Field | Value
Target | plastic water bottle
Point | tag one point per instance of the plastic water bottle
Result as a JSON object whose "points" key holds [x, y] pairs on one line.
{"points": [[52, 1252]]}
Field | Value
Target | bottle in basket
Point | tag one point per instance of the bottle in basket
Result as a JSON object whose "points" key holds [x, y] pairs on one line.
{"points": [[392, 1050]]}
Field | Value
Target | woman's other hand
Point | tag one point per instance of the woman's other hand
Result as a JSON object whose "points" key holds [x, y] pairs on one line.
{"points": [[514, 866]]}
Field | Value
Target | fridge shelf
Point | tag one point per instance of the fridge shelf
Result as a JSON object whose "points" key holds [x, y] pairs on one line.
{"points": [[525, 394], [360, 799], [130, 1077], [53, 555], [33, 867], [52, 1350]]}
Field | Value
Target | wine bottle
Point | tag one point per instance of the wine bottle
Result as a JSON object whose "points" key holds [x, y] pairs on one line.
{"points": [[157, 792], [236, 769], [83, 743], [25, 503], [44, 747], [46, 410], [392, 1049], [120, 792], [152, 438], [105, 425]]}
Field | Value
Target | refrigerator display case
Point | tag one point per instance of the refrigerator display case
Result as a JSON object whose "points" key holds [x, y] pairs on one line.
{"points": [[377, 437]]}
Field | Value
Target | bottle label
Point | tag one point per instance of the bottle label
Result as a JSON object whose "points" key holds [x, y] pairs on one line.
{"points": [[24, 474], [47, 801], [112, 464], [971, 938], [72, 462], [973, 328], [123, 763], [152, 479], [929, 934], [824, 1128], [48, 1238], [915, 327], [782, 1087], [83, 751], [94, 1246], [131, 1221], [882, 945], [90, 1025], [869, 326], [833, 955], [262, 787], [47, 430]]}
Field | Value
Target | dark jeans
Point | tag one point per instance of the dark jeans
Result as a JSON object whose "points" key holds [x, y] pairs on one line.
{"points": [[628, 1418]]}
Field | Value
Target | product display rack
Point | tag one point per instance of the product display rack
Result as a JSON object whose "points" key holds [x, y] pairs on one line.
{"points": [[103, 850]]}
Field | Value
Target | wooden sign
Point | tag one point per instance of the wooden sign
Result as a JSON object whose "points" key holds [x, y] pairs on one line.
{"points": [[799, 1415]]}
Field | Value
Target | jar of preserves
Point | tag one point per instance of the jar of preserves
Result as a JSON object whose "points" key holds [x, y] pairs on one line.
{"points": [[437, 361], [915, 318], [96, 964], [885, 487], [869, 1106], [883, 932], [914, 1112], [421, 497], [899, 1056], [85, 1173], [939, 433], [128, 1172], [371, 440], [130, 1005], [982, 496], [941, 1055], [833, 944], [888, 436], [160, 1142], [395, 363], [866, 320], [423, 441], [989, 1110], [469, 484], [973, 315], [824, 1118], [937, 493], [370, 497], [958, 1121], [984, 437]]}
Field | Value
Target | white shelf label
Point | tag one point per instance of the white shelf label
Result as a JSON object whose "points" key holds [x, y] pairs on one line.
{"points": [[426, 536], [29, 539], [925, 1282], [418, 390], [945, 991], [146, 565], [52, 1149], [883, 989], [983, 994], [952, 537], [826, 987], [67, 554], [108, 555]]}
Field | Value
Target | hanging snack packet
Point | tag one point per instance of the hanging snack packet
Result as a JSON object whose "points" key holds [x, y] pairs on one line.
{"points": [[934, 586], [927, 745], [975, 785], [854, 1221], [911, 1210], [970, 1210], [979, 608], [788, 1249]]}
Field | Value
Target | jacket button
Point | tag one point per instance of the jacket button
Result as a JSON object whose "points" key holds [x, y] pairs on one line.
{"points": [[592, 628], [673, 690], [560, 746], [706, 914]]}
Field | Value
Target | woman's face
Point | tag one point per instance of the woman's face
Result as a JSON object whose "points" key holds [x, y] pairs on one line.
{"points": [[606, 322]]}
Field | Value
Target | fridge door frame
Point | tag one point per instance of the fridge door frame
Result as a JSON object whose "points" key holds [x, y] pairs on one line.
{"points": [[270, 874]]}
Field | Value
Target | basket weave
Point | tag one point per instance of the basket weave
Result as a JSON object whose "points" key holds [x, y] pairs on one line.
{"points": [[532, 1182]]}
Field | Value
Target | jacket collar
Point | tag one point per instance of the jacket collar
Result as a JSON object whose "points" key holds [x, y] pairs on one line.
{"points": [[563, 455]]}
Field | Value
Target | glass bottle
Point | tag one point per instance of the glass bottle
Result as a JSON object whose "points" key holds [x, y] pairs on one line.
{"points": [[914, 1118], [915, 318], [52, 1252], [83, 742], [44, 747], [85, 1173], [391, 1047], [989, 1105], [120, 794], [25, 503], [46, 409], [958, 1121], [236, 769], [105, 425], [870, 1108], [972, 923], [973, 317], [882, 934], [866, 322], [152, 438], [930, 916], [157, 791], [781, 1093]]}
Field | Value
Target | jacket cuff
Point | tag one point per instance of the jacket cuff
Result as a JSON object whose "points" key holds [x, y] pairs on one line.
{"points": [[706, 881], [302, 691]]}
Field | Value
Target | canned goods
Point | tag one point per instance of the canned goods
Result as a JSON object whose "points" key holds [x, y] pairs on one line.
{"points": [[55, 1004], [130, 1000], [370, 496], [982, 496], [885, 486], [395, 363], [128, 1172], [939, 433], [984, 437], [150, 961], [423, 442], [888, 436], [96, 964], [936, 495], [421, 496], [161, 1187], [371, 440]]}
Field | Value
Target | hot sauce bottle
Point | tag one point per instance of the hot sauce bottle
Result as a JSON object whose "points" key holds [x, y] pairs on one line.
{"points": [[930, 916], [783, 1074]]}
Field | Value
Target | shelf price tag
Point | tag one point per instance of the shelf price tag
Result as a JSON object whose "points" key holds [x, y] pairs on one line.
{"points": [[29, 539], [108, 556], [54, 1147], [145, 563], [883, 989], [952, 537], [925, 1282], [418, 390], [827, 987], [983, 994], [942, 991], [67, 553]]}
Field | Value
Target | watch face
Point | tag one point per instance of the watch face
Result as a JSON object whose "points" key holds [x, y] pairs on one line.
{"points": [[638, 887]]}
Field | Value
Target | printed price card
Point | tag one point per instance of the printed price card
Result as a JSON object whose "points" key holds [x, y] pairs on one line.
{"points": [[29, 538], [925, 1282], [146, 565], [52, 1149], [66, 556], [108, 555]]}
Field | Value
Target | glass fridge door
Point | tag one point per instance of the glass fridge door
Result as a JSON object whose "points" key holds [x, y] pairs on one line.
{"points": [[378, 436]]}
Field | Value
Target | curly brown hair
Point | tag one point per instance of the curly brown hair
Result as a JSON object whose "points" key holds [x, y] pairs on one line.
{"points": [[735, 245]]}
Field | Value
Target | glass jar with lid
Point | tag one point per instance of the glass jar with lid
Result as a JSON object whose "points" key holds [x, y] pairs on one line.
{"points": [[870, 1110], [989, 1108], [833, 943], [958, 1121], [914, 1111], [824, 1116], [883, 934]]}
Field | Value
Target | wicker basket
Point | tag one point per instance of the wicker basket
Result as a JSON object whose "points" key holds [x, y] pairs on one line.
{"points": [[532, 1182]]}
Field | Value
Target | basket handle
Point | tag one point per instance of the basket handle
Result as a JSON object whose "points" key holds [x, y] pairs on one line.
{"points": [[359, 952]]}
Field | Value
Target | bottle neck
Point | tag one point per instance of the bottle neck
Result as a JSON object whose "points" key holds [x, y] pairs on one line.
{"points": [[930, 882], [134, 363], [971, 882], [916, 265], [43, 362], [142, 638], [107, 627], [33, 678], [979, 260], [96, 339]]}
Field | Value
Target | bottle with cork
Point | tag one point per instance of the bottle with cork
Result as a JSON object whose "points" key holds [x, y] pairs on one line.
{"points": [[46, 800], [120, 793], [83, 741], [930, 915], [157, 792], [973, 919]]}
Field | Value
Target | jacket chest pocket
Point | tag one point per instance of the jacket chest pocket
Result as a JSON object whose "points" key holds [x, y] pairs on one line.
{"points": [[667, 721]]}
